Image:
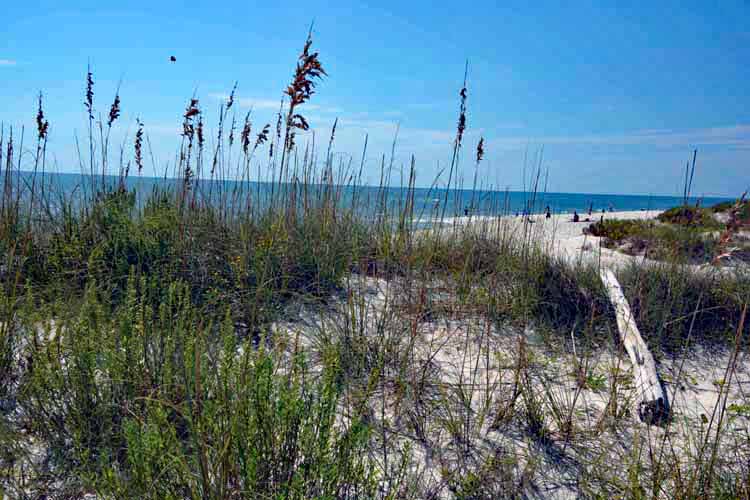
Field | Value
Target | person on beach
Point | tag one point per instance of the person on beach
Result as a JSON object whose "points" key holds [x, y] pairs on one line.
{"points": [[576, 218], [591, 207], [547, 213]]}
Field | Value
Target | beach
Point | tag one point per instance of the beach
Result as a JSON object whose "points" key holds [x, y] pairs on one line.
{"points": [[365, 295], [558, 234]]}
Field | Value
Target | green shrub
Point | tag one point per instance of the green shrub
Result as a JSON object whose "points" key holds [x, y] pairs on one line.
{"points": [[616, 230], [725, 206], [690, 216], [664, 242], [157, 400]]}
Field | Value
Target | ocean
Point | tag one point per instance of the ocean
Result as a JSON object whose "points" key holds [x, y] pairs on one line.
{"points": [[429, 204]]}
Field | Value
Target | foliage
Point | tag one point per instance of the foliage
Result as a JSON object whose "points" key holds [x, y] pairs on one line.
{"points": [[156, 400], [690, 216]]}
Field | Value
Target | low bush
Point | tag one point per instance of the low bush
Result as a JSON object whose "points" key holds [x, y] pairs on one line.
{"points": [[160, 400], [691, 216]]}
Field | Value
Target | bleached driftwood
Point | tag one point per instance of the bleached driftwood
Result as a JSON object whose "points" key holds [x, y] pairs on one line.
{"points": [[653, 407]]}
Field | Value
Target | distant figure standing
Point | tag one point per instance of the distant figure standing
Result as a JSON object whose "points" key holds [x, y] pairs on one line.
{"points": [[547, 213], [591, 207], [576, 218], [466, 211]]}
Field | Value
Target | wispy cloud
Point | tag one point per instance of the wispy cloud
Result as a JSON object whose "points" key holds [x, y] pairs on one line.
{"points": [[271, 104], [7, 62], [732, 136], [735, 136], [163, 129], [247, 102]]}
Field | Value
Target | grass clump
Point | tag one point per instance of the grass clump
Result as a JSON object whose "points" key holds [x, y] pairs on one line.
{"points": [[677, 308], [158, 400]]}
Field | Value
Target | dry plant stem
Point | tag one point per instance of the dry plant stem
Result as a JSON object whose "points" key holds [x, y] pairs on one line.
{"points": [[721, 401], [461, 127]]}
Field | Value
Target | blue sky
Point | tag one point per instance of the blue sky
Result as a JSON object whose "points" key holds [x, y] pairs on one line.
{"points": [[618, 96]]}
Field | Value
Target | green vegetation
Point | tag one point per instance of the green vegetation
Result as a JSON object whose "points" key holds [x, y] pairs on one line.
{"points": [[697, 217], [686, 234], [152, 400], [664, 242], [146, 351], [744, 211]]}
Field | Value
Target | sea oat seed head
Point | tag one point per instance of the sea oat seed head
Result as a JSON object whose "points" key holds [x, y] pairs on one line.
{"points": [[89, 102], [139, 146], [480, 149], [114, 110], [42, 125]]}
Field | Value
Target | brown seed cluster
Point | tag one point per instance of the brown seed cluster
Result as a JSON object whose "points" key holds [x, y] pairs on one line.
{"points": [[309, 69], [262, 136], [199, 132], [42, 125], [114, 110], [462, 116], [187, 125], [89, 102], [480, 149], [245, 134], [139, 147]]}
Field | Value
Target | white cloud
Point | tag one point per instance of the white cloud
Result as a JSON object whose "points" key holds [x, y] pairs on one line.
{"points": [[162, 129], [7, 62], [384, 131], [247, 102], [736, 136], [271, 104]]}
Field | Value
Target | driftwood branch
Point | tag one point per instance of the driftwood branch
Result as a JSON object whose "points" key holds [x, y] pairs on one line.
{"points": [[653, 406]]}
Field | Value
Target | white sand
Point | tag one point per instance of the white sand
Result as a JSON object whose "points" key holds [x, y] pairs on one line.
{"points": [[559, 234], [472, 360]]}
